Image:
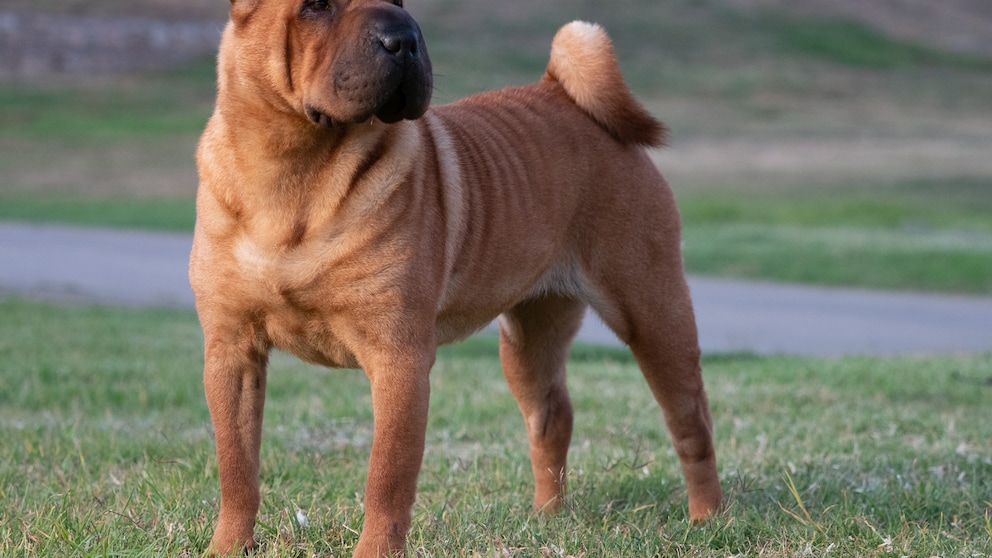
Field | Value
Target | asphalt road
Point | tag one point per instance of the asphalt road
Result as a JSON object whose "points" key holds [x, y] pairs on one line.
{"points": [[149, 269]]}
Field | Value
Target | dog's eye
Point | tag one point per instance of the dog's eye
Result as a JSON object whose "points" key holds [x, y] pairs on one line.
{"points": [[313, 7]]}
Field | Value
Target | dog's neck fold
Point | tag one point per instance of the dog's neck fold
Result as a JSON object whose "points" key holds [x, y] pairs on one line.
{"points": [[290, 173]]}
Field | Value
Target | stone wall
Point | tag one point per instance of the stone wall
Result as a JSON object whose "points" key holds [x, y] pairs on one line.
{"points": [[34, 45]]}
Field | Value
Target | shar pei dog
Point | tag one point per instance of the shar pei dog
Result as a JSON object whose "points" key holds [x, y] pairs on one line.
{"points": [[341, 219]]}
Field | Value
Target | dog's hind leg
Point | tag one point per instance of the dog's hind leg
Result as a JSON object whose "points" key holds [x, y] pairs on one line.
{"points": [[646, 302], [535, 337]]}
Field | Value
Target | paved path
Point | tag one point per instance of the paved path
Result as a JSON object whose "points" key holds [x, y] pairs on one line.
{"points": [[146, 268]]}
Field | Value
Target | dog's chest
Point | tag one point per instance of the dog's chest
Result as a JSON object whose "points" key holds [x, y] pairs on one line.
{"points": [[293, 290], [275, 270]]}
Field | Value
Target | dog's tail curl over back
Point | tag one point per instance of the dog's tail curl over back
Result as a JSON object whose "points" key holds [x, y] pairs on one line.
{"points": [[583, 62]]}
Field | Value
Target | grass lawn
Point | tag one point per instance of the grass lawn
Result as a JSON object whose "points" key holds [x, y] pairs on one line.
{"points": [[108, 452], [909, 234]]}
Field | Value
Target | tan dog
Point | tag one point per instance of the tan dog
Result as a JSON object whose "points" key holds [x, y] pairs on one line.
{"points": [[341, 220]]}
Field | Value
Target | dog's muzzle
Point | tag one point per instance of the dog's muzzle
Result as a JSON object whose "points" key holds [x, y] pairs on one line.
{"points": [[385, 73], [412, 94]]}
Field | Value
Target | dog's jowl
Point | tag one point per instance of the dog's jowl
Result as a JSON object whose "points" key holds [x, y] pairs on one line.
{"points": [[340, 219]]}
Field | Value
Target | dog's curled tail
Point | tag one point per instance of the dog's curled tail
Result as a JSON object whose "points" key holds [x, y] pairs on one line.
{"points": [[583, 62]]}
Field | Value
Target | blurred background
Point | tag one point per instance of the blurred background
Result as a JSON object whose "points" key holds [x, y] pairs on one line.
{"points": [[834, 142]]}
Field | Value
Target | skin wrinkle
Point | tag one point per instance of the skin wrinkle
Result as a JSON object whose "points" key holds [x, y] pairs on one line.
{"points": [[371, 158], [288, 60]]}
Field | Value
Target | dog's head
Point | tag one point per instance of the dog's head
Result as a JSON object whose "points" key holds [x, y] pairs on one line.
{"points": [[335, 62]]}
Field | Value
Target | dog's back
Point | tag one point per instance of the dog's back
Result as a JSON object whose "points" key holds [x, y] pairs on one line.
{"points": [[584, 67], [543, 166]]}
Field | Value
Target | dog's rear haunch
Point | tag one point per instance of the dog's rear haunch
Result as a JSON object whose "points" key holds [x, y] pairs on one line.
{"points": [[341, 220]]}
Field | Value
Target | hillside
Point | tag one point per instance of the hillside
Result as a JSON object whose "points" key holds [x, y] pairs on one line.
{"points": [[959, 25], [962, 25], [87, 28], [809, 137]]}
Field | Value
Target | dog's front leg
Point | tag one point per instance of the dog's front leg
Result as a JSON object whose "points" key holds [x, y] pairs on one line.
{"points": [[234, 381], [400, 399]]}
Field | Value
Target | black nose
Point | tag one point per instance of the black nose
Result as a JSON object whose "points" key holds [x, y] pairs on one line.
{"points": [[400, 41]]}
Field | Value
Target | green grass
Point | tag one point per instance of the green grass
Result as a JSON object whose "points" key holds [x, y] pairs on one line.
{"points": [[108, 452], [902, 260], [854, 44], [84, 111], [67, 140], [914, 234], [155, 213], [947, 203]]}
